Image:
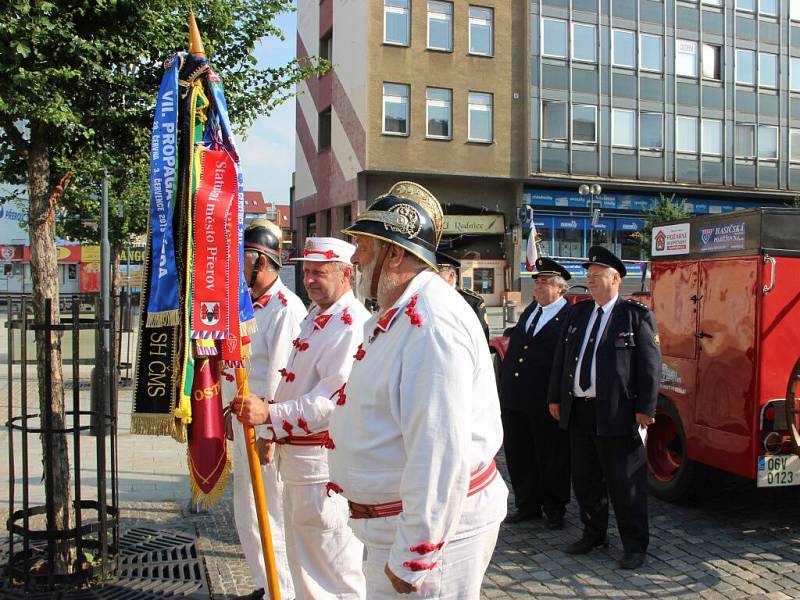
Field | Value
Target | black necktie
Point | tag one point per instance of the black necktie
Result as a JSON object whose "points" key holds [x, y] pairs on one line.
{"points": [[536, 318], [585, 380]]}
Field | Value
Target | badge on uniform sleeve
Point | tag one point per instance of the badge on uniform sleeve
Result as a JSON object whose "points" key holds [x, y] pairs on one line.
{"points": [[656, 341]]}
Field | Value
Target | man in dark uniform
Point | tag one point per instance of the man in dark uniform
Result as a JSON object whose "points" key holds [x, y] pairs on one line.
{"points": [[537, 451], [604, 387], [448, 270]]}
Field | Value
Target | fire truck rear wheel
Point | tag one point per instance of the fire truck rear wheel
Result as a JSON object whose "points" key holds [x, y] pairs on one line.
{"points": [[670, 473]]}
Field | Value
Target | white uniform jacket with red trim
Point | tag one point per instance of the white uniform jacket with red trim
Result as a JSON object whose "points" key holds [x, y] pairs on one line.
{"points": [[278, 314], [420, 415], [317, 368]]}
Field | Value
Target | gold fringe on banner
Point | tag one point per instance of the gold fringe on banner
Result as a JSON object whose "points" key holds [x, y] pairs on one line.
{"points": [[216, 493], [164, 318], [152, 424], [249, 327]]}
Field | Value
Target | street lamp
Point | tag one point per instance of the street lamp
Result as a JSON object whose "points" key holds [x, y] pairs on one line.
{"points": [[592, 191]]}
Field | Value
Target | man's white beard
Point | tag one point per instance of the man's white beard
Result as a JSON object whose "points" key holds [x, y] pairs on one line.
{"points": [[363, 276]]}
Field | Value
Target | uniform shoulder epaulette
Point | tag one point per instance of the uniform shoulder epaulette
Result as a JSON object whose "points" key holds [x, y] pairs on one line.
{"points": [[472, 293], [637, 304]]}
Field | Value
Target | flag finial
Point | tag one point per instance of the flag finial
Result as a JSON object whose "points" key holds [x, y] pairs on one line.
{"points": [[195, 42]]}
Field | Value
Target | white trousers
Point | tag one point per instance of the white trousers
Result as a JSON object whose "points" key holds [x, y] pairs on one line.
{"points": [[244, 513], [324, 556], [458, 573]]}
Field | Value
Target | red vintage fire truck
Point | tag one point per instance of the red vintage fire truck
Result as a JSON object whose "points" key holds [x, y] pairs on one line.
{"points": [[726, 296]]}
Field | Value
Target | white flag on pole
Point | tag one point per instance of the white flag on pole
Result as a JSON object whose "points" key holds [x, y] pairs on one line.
{"points": [[531, 254]]}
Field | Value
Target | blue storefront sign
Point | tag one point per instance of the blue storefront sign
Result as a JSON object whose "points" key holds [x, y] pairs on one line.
{"points": [[576, 270]]}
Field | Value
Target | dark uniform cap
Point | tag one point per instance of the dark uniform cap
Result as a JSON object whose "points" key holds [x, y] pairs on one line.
{"points": [[547, 266], [408, 216], [601, 256], [445, 261], [264, 237]]}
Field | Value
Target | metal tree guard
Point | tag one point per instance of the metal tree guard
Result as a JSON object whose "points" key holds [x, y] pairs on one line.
{"points": [[95, 535]]}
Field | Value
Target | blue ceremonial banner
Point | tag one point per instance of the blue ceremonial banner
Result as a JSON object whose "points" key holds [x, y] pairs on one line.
{"points": [[163, 303]]}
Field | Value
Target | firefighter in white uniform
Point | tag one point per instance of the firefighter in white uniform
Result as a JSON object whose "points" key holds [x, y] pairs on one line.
{"points": [[416, 433], [278, 313], [325, 558]]}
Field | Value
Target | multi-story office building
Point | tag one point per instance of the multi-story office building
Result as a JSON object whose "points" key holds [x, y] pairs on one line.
{"points": [[495, 104]]}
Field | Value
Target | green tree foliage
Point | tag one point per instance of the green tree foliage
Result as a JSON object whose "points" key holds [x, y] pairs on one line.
{"points": [[666, 209]]}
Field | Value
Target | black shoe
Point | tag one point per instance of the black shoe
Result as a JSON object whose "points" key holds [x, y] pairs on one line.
{"points": [[586, 544], [254, 595], [632, 560], [523, 515], [555, 522]]}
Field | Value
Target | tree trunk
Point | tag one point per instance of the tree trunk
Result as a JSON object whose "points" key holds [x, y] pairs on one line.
{"points": [[44, 271]]}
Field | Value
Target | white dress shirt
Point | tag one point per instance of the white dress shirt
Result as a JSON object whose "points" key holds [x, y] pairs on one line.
{"points": [[548, 312], [576, 386], [421, 414]]}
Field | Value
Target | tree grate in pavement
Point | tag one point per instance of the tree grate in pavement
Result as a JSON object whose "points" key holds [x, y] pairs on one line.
{"points": [[154, 563]]}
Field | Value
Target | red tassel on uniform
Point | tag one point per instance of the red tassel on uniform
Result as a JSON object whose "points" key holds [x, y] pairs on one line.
{"points": [[332, 487]]}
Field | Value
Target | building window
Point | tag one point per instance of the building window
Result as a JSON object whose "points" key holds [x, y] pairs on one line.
{"points": [[685, 58], [746, 5], [483, 280], [395, 108], [745, 67], [624, 48], [651, 131], [584, 123], [650, 52], [326, 46], [438, 116], [686, 134], [767, 142], [768, 7], [440, 25], [396, 22], [712, 2], [324, 130], [794, 74], [481, 30], [623, 128], [554, 120], [794, 10], [554, 38], [745, 142], [712, 65], [711, 137], [767, 69], [794, 145], [584, 42], [479, 117]]}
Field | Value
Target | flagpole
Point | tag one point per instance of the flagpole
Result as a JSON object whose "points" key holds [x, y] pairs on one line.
{"points": [[196, 48]]}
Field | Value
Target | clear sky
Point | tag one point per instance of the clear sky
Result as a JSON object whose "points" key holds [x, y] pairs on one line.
{"points": [[267, 154]]}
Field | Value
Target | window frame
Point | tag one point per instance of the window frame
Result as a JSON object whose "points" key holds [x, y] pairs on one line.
{"points": [[566, 121], [408, 110], [695, 60], [794, 71], [774, 85], [718, 58], [736, 79], [752, 127], [661, 130], [469, 30], [746, 10], [572, 124], [761, 11], [792, 158], [450, 20], [794, 10], [469, 117], [428, 135], [566, 39], [640, 53], [632, 34], [614, 115], [695, 121], [721, 125], [776, 137], [408, 24], [593, 60]]}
